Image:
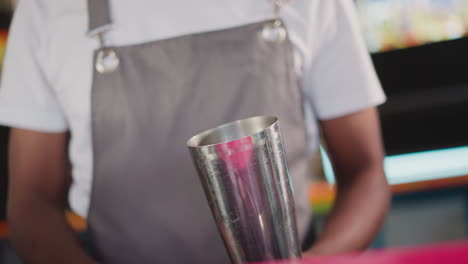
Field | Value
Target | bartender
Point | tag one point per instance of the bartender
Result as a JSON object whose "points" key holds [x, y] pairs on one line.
{"points": [[102, 95]]}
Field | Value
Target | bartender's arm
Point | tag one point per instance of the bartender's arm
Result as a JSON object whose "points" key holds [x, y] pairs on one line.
{"points": [[38, 166], [37, 197], [354, 144], [344, 90]]}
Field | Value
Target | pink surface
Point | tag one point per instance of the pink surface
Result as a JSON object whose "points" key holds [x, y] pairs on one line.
{"points": [[452, 253], [236, 153]]}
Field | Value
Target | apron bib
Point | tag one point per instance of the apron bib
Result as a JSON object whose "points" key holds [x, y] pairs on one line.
{"points": [[147, 204]]}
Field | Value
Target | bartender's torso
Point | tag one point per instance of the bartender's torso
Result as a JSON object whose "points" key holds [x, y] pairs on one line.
{"points": [[70, 53], [50, 59]]}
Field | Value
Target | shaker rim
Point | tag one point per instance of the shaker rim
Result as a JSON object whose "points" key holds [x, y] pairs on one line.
{"points": [[195, 141]]}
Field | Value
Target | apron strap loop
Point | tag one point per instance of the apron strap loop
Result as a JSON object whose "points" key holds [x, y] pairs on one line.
{"points": [[277, 5], [107, 60], [99, 17]]}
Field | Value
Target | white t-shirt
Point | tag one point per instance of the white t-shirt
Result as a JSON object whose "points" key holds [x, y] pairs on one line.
{"points": [[46, 82]]}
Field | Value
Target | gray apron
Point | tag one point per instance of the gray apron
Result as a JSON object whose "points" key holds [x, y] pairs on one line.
{"points": [[147, 204]]}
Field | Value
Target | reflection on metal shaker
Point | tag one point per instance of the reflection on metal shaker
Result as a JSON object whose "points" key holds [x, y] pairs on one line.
{"points": [[242, 167]]}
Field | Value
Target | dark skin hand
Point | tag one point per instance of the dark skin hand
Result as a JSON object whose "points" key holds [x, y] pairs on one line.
{"points": [[363, 195], [38, 186]]}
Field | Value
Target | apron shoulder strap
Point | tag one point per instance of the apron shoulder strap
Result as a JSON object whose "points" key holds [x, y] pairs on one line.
{"points": [[99, 17]]}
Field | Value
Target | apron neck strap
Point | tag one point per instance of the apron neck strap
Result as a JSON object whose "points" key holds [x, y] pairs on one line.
{"points": [[99, 17]]}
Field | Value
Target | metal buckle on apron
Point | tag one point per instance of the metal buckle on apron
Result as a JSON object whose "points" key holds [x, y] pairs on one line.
{"points": [[276, 31], [107, 60]]}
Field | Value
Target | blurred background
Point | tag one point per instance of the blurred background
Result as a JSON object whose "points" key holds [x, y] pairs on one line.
{"points": [[397, 24], [420, 51]]}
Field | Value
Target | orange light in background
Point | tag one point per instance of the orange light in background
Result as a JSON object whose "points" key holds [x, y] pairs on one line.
{"points": [[3, 41]]}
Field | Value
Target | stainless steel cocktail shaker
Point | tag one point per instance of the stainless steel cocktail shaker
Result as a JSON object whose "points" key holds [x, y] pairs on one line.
{"points": [[242, 167]]}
